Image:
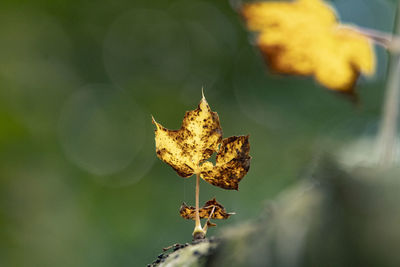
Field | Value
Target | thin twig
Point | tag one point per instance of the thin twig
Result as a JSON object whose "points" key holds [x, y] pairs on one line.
{"points": [[387, 135], [208, 220], [390, 42], [172, 246]]}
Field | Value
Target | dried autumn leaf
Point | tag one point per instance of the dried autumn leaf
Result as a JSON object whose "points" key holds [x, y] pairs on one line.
{"points": [[303, 37], [200, 135], [189, 212]]}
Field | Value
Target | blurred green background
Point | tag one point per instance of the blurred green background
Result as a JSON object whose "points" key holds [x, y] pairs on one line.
{"points": [[80, 183]]}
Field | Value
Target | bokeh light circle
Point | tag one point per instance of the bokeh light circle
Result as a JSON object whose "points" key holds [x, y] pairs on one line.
{"points": [[145, 45], [212, 40], [199, 48], [36, 69], [101, 129], [257, 93]]}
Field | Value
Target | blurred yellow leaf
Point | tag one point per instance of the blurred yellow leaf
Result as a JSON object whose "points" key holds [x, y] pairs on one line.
{"points": [[303, 37], [200, 135], [211, 207]]}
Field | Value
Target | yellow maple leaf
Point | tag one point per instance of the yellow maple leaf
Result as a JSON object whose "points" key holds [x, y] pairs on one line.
{"points": [[303, 37], [187, 150], [211, 209], [200, 135]]}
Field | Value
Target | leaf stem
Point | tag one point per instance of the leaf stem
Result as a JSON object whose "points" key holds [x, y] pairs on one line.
{"points": [[198, 232], [389, 41], [387, 135], [197, 200]]}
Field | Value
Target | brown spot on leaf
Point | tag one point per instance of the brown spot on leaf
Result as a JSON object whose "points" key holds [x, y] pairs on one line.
{"points": [[232, 163], [196, 140]]}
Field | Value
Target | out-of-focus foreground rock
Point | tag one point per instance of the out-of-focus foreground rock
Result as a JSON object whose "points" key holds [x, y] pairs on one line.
{"points": [[333, 218]]}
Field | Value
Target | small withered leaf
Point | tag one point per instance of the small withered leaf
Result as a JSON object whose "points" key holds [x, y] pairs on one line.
{"points": [[232, 163], [196, 140], [303, 37], [187, 149], [189, 212]]}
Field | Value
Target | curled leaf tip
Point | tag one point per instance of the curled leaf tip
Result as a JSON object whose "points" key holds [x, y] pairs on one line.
{"points": [[210, 224], [203, 102], [155, 122]]}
